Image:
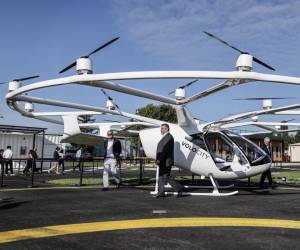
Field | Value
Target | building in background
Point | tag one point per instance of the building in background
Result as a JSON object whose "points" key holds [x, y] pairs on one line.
{"points": [[294, 152]]}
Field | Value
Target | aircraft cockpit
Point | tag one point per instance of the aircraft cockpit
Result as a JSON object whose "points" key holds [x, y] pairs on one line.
{"points": [[230, 151]]}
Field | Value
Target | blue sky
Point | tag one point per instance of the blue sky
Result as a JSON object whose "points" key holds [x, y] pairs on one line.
{"points": [[42, 37]]}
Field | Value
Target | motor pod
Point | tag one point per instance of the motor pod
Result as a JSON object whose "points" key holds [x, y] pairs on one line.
{"points": [[180, 94], [267, 104], [14, 85], [29, 107], [84, 66], [244, 62]]}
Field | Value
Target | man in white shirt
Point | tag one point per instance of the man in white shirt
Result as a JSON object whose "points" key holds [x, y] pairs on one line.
{"points": [[113, 150], [7, 156], [78, 158]]}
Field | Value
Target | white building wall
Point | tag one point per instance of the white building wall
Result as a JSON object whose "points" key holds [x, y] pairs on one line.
{"points": [[22, 143], [294, 151]]}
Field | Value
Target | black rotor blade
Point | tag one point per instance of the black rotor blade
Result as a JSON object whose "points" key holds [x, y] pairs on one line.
{"points": [[21, 79], [68, 67], [222, 41], [262, 63], [242, 52], [285, 121], [26, 78], [184, 86], [188, 84], [103, 46], [172, 92], [262, 98]]}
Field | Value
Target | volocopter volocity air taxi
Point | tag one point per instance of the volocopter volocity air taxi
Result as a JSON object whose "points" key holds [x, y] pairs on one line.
{"points": [[209, 149]]}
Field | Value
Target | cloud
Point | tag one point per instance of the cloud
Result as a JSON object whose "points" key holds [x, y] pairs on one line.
{"points": [[173, 28]]}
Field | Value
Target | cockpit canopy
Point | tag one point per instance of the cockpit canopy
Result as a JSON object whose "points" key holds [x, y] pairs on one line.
{"points": [[228, 149]]}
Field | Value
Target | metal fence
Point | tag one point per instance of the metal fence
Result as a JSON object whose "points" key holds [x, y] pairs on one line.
{"points": [[40, 167]]}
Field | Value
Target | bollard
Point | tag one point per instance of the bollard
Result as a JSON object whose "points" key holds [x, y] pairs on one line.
{"points": [[32, 175], [2, 172], [81, 173], [141, 171]]}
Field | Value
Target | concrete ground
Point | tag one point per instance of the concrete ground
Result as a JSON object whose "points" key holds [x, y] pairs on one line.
{"points": [[56, 218]]}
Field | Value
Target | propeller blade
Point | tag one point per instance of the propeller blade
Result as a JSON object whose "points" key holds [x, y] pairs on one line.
{"points": [[21, 79], [172, 92], [188, 84], [103, 46], [26, 78], [262, 98], [262, 63], [222, 41], [68, 67], [285, 121], [242, 52], [184, 86]]}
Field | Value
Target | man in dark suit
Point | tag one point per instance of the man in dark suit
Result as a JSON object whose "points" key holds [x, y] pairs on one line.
{"points": [[165, 161], [266, 147], [113, 150]]}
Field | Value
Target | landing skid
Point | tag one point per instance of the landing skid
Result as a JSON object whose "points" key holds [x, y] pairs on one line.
{"points": [[215, 187]]}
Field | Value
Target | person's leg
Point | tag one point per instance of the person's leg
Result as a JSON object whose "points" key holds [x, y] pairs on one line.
{"points": [[115, 171], [262, 179], [175, 184], [161, 184], [269, 176], [106, 170], [11, 167], [6, 167]]}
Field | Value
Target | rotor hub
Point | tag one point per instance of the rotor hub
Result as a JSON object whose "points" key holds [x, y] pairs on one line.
{"points": [[29, 107], [180, 94], [267, 104], [84, 66], [14, 85], [110, 105], [244, 62], [255, 118]]}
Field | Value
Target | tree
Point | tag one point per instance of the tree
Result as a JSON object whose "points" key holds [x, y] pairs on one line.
{"points": [[160, 112], [87, 119]]}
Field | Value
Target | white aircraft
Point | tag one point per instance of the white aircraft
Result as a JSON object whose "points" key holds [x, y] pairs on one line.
{"points": [[207, 149]]}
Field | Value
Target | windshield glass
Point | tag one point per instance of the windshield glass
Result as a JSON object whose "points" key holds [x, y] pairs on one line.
{"points": [[253, 153], [223, 150]]}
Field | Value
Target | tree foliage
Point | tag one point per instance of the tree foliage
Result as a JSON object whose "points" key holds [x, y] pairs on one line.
{"points": [[160, 112]]}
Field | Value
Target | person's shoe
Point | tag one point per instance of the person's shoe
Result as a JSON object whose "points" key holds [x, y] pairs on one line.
{"points": [[160, 196], [180, 194], [104, 189]]}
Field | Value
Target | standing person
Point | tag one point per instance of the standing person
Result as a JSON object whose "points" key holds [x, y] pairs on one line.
{"points": [[266, 147], [7, 156], [113, 150], [165, 161], [56, 158], [29, 162], [78, 157], [61, 161]]}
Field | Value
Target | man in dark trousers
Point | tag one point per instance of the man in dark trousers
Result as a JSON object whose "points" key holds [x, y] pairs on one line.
{"points": [[266, 147], [165, 161], [113, 150]]}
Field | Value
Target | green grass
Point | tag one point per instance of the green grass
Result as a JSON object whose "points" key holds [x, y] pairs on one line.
{"points": [[291, 177]]}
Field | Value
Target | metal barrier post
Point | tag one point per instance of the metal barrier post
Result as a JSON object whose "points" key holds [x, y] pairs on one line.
{"points": [[81, 172], [32, 175], [2, 172], [141, 171]]}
